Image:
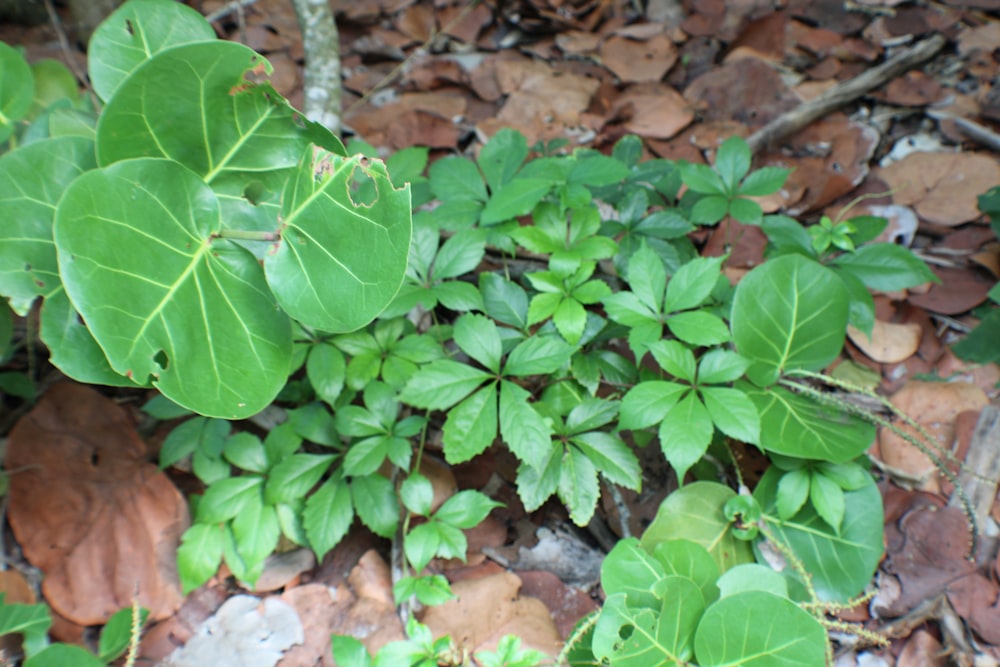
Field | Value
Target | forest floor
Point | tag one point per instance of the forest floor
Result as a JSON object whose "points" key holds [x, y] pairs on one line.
{"points": [[922, 146]]}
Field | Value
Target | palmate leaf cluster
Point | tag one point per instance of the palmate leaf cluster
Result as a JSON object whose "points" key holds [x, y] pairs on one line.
{"points": [[544, 302]]}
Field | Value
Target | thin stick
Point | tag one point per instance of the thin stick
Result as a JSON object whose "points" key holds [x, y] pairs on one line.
{"points": [[236, 5], [794, 120], [64, 45]]}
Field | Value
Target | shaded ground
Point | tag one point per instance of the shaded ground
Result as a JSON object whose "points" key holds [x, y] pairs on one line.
{"points": [[683, 76]]}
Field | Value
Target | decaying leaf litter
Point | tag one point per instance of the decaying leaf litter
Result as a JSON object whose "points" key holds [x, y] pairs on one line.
{"points": [[920, 146]]}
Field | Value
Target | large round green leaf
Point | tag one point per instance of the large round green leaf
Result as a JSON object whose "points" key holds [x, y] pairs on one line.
{"points": [[841, 564], [695, 513], [758, 629], [339, 263], [789, 313], [17, 88], [32, 178], [136, 31], [191, 103], [163, 296], [795, 425]]}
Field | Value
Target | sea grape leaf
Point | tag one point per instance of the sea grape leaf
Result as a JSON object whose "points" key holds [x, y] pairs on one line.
{"points": [[134, 33], [789, 313], [695, 512], [17, 89], [339, 263], [758, 629], [163, 296], [840, 563]]}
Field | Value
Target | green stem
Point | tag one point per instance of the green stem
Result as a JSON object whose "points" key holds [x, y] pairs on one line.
{"points": [[247, 235]]}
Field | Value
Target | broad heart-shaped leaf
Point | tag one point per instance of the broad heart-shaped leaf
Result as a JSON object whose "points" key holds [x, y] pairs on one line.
{"points": [[789, 313], [339, 263], [136, 31], [630, 570], [162, 296], [63, 655], [191, 103], [758, 629], [32, 179], [841, 564], [687, 559], [798, 426], [695, 513]]}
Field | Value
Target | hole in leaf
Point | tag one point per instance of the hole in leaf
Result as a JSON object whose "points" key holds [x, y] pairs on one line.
{"points": [[361, 188], [161, 359], [254, 192], [129, 27], [95, 458]]}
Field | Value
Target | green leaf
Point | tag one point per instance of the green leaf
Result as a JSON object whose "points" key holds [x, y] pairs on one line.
{"points": [[698, 327], [648, 278], [466, 509], [328, 516], [709, 210], [226, 498], [456, 179], [326, 369], [861, 311], [596, 170], [478, 337], [64, 655], [117, 633], [579, 488], [789, 313], [32, 179], [294, 476], [647, 403], [441, 384], [758, 629], [514, 199], [733, 413], [746, 211], [526, 433], [664, 638], [421, 545], [505, 301], [256, 532], [375, 502], [471, 426], [692, 284], [31, 621], [631, 571], [797, 426], [349, 652], [199, 555], [793, 492], [590, 414], [685, 434], [720, 366], [459, 255], [538, 355], [195, 434], [688, 559], [702, 179], [695, 512], [134, 33], [339, 262], [536, 484], [200, 320], [675, 358], [827, 499], [245, 450], [732, 161], [752, 577], [848, 476], [17, 88], [886, 267], [570, 319], [417, 494], [72, 348], [612, 457], [980, 345], [763, 181], [841, 563], [502, 156]]}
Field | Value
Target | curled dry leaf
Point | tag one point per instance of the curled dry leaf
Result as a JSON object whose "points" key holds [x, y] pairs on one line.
{"points": [[934, 405], [635, 61], [942, 187], [108, 523], [889, 343]]}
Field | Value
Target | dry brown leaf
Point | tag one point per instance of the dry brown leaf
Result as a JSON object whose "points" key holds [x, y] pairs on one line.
{"points": [[635, 61], [108, 521], [747, 90], [913, 89], [942, 187], [922, 650], [934, 405], [283, 569], [442, 480], [578, 42], [975, 600], [653, 110], [889, 343], [961, 289], [487, 608], [566, 604]]}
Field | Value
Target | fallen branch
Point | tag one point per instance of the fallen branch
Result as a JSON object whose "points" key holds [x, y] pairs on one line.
{"points": [[794, 120]]}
